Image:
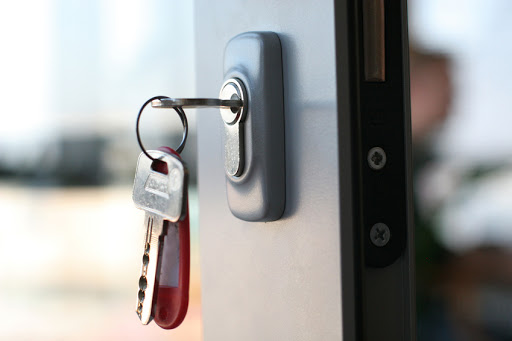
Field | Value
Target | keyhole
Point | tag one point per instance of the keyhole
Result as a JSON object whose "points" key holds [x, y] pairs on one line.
{"points": [[235, 110]]}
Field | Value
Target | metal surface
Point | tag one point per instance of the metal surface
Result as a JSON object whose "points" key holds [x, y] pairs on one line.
{"points": [[381, 117], [234, 154], [160, 193], [374, 41], [150, 266], [233, 108], [197, 103], [298, 277], [380, 234], [258, 191], [376, 158], [278, 280], [161, 196], [182, 117]]}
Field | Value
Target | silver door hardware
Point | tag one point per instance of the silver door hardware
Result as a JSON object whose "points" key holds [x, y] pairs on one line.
{"points": [[376, 158], [253, 136], [258, 192], [374, 41], [233, 106], [167, 103]]}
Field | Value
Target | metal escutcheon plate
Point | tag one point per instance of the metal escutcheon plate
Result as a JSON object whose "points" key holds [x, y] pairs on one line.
{"points": [[254, 139]]}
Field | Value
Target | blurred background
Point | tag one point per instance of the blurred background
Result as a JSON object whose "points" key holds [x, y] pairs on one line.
{"points": [[73, 75], [461, 118]]}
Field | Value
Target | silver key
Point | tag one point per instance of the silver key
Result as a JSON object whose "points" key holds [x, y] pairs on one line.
{"points": [[162, 197]]}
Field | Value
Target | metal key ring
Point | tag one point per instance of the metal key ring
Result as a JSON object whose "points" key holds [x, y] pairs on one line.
{"points": [[183, 119]]}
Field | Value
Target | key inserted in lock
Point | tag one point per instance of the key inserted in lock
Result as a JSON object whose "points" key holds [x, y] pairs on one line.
{"points": [[233, 108], [252, 108]]}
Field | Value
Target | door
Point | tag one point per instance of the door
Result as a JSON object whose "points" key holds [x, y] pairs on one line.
{"points": [[313, 274]]}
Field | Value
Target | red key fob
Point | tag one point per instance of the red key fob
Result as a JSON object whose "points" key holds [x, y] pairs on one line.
{"points": [[172, 286]]}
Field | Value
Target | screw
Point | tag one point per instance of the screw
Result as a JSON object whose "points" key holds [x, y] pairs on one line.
{"points": [[376, 158], [380, 234]]}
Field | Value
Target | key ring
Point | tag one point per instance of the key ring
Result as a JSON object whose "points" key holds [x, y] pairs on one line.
{"points": [[232, 104], [183, 119]]}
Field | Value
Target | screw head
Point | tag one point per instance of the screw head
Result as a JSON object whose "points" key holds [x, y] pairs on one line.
{"points": [[376, 158], [380, 234]]}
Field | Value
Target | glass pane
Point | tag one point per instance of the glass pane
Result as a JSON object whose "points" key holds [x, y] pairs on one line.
{"points": [[461, 114]]}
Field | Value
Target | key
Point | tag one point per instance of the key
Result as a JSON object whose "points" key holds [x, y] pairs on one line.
{"points": [[154, 230], [160, 189]]}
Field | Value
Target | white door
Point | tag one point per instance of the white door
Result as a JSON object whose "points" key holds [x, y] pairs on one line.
{"points": [[307, 275]]}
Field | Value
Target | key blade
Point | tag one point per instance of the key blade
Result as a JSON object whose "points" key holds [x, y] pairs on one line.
{"points": [[150, 267], [159, 193]]}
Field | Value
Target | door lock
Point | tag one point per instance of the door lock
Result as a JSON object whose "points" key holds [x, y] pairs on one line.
{"points": [[233, 108], [254, 157]]}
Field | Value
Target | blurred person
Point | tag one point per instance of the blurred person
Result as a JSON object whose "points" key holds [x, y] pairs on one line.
{"points": [[431, 92], [463, 256]]}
